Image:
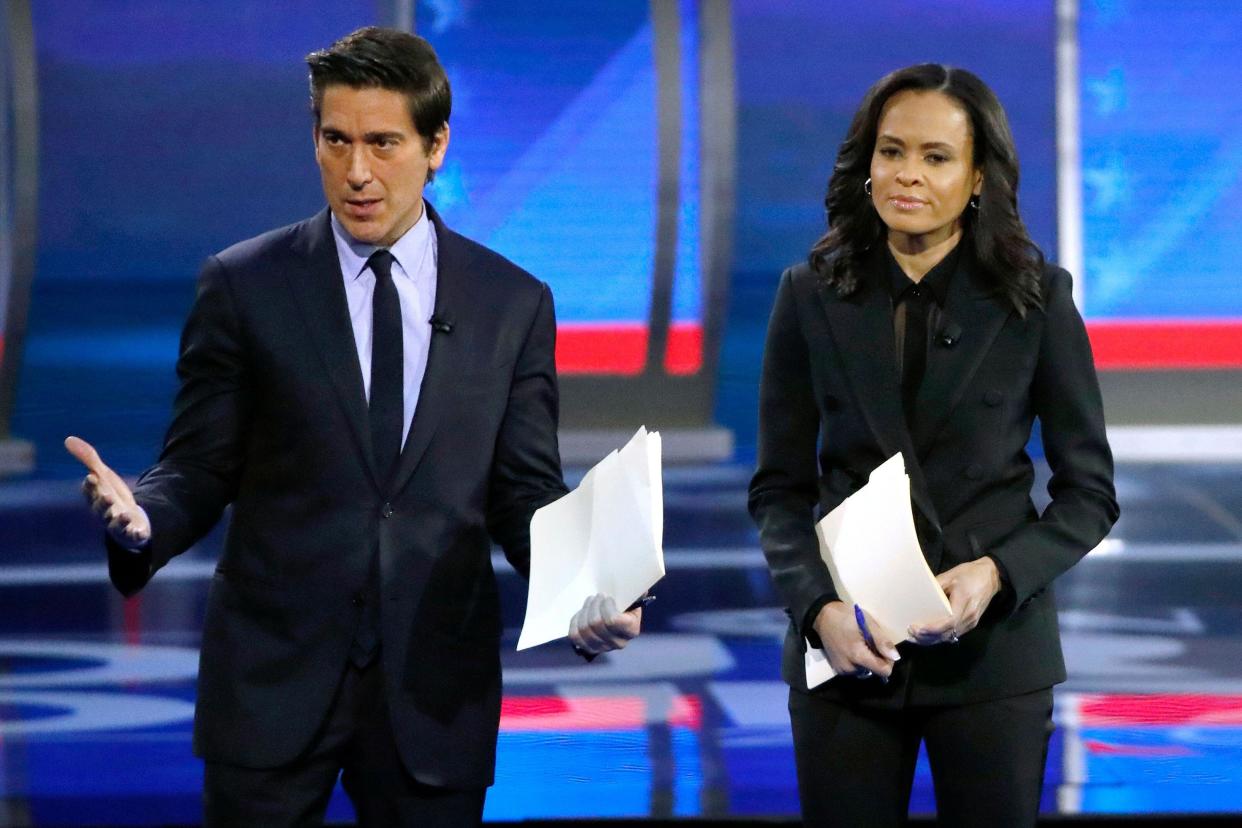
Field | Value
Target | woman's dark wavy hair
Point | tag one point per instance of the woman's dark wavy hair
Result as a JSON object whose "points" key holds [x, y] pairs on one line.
{"points": [[1002, 247]]}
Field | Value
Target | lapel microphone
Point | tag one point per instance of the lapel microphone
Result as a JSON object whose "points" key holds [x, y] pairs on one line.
{"points": [[440, 325], [949, 334]]}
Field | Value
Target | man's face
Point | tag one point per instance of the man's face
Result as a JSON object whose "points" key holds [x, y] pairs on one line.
{"points": [[373, 162]]}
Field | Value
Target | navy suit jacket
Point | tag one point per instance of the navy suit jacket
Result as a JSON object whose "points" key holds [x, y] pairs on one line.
{"points": [[831, 411], [271, 417]]}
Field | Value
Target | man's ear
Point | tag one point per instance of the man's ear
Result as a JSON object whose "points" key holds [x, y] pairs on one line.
{"points": [[315, 140], [439, 146]]}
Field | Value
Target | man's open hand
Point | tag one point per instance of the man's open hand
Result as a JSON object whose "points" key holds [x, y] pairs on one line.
{"points": [[110, 498]]}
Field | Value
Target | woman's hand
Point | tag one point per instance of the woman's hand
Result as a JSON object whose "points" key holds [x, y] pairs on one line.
{"points": [[970, 587], [847, 652]]}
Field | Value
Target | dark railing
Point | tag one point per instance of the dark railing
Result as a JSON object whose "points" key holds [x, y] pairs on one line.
{"points": [[19, 191]]}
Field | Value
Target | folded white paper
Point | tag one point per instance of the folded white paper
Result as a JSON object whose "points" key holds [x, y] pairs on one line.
{"points": [[605, 537], [873, 554]]}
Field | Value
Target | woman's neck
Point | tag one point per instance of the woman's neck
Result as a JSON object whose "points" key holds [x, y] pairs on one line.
{"points": [[917, 256]]}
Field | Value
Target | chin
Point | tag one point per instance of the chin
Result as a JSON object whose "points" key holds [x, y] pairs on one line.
{"points": [[902, 224], [362, 231], [911, 225]]}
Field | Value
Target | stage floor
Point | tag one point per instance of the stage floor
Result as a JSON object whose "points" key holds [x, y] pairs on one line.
{"points": [[96, 693]]}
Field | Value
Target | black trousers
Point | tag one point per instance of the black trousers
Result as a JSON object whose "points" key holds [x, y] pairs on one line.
{"points": [[356, 744], [856, 765]]}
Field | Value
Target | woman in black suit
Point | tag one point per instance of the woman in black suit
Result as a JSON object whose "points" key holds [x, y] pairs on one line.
{"points": [[926, 322]]}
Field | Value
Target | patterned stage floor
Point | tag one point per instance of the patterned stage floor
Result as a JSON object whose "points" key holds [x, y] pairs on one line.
{"points": [[96, 693]]}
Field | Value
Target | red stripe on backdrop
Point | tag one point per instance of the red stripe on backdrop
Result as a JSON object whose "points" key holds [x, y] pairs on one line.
{"points": [[616, 348], [1137, 344], [683, 355], [620, 348]]}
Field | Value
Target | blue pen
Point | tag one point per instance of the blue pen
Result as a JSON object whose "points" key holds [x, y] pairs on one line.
{"points": [[861, 620]]}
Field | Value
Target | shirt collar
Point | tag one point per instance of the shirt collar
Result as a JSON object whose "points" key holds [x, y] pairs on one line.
{"points": [[407, 250], [935, 280]]}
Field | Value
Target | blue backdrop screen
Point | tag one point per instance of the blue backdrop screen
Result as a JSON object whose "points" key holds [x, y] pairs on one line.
{"points": [[1162, 158]]}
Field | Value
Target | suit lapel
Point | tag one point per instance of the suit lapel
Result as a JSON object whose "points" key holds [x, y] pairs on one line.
{"points": [[319, 290], [862, 329], [976, 310], [448, 352]]}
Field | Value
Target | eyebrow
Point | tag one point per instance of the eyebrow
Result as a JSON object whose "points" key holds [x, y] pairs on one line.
{"points": [[369, 137], [926, 145]]}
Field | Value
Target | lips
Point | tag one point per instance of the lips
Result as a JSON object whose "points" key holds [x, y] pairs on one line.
{"points": [[907, 202], [363, 207]]}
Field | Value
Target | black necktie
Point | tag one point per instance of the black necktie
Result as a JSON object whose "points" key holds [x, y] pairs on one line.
{"points": [[387, 400], [914, 348]]}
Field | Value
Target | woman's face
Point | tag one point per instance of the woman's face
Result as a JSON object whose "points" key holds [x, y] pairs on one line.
{"points": [[922, 169]]}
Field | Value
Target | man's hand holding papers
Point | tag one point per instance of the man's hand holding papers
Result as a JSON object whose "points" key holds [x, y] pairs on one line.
{"points": [[599, 547], [599, 626]]}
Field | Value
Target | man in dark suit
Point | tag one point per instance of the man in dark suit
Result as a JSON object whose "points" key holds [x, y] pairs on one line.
{"points": [[376, 397]]}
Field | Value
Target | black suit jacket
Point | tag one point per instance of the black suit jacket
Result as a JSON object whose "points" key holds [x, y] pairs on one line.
{"points": [[271, 417], [830, 412]]}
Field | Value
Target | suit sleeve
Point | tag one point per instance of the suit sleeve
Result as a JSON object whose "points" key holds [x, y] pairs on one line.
{"points": [[185, 493], [784, 489], [1066, 397], [526, 469]]}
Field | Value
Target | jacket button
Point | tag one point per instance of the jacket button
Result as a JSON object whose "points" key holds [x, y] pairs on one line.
{"points": [[359, 600], [993, 398], [974, 471], [386, 511]]}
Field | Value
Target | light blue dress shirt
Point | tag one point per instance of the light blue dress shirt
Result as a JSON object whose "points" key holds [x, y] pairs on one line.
{"points": [[414, 275]]}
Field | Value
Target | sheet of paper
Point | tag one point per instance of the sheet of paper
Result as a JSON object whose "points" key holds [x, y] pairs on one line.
{"points": [[606, 537], [872, 552], [818, 670]]}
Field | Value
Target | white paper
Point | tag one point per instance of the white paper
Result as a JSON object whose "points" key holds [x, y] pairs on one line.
{"points": [[605, 537], [872, 552]]}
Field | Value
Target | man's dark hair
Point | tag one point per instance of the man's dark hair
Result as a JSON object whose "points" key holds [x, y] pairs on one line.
{"points": [[373, 57], [1000, 241]]}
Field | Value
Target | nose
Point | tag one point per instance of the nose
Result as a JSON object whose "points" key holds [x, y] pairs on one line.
{"points": [[908, 175], [359, 172]]}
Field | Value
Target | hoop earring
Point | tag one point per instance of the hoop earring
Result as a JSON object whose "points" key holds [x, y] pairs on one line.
{"points": [[867, 186]]}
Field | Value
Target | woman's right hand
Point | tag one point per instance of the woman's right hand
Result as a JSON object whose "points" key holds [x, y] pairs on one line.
{"points": [[847, 651]]}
